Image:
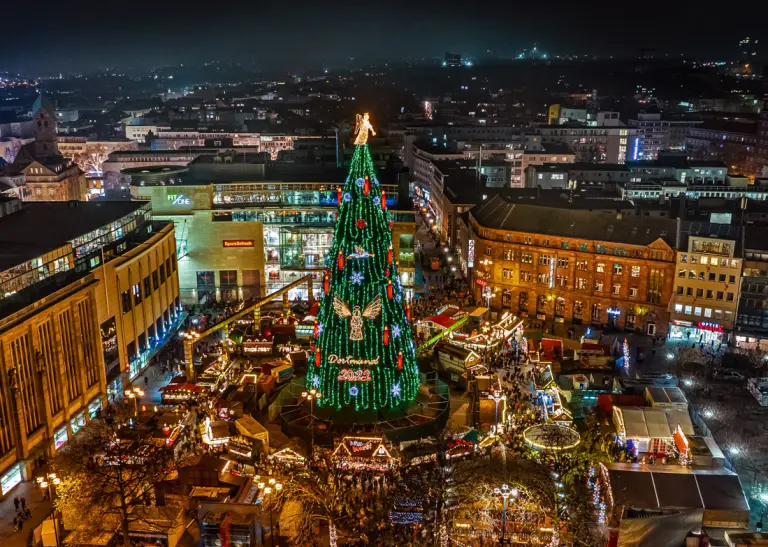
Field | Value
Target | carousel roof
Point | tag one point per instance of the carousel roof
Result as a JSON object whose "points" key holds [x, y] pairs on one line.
{"points": [[551, 437]]}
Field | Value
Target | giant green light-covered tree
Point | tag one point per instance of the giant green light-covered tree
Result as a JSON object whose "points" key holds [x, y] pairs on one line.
{"points": [[364, 356]]}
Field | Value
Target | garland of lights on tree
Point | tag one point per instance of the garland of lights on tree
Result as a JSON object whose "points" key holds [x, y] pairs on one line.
{"points": [[364, 356]]}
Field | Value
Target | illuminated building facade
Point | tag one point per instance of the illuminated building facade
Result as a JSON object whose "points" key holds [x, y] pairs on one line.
{"points": [[244, 239], [79, 301], [707, 283], [590, 267]]}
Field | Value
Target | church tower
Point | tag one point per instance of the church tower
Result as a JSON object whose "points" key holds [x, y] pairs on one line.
{"points": [[44, 118]]}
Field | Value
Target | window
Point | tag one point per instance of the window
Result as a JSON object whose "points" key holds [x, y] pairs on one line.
{"points": [[162, 273], [688, 310], [508, 254], [617, 269], [543, 278], [616, 288], [701, 276], [655, 286], [488, 250], [707, 312], [691, 274], [734, 263], [681, 273], [731, 279], [562, 262], [689, 291], [633, 292], [712, 276], [721, 278], [507, 273], [147, 287], [699, 293], [684, 258], [704, 260], [710, 294], [697, 311], [729, 297], [694, 259], [525, 276], [136, 290], [581, 283], [598, 286], [600, 267], [597, 310], [507, 237], [581, 265], [728, 316], [527, 240], [583, 247], [228, 279], [526, 258], [715, 261], [680, 290], [562, 280], [126, 297], [544, 260], [678, 308], [564, 244], [635, 271], [155, 280], [719, 295]]}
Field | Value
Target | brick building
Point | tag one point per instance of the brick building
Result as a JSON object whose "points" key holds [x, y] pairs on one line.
{"points": [[574, 264]]}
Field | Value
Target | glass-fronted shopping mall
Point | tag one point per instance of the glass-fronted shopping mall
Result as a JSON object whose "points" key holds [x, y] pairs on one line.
{"points": [[242, 239]]}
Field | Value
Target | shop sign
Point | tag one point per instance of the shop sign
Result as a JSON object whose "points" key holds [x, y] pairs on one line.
{"points": [[179, 199], [614, 311], [481, 282], [238, 243], [712, 327], [471, 254], [60, 437], [681, 323]]}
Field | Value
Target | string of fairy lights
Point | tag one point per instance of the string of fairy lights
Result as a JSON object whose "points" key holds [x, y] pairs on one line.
{"points": [[364, 356]]}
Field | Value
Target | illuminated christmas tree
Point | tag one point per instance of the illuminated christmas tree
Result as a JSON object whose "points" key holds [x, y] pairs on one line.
{"points": [[364, 356]]}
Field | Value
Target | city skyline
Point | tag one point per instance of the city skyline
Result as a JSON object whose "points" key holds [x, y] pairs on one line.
{"points": [[305, 35]]}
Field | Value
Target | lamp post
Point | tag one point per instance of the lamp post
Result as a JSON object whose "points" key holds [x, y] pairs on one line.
{"points": [[46, 482], [505, 492], [497, 397], [310, 396], [134, 394], [275, 487]]}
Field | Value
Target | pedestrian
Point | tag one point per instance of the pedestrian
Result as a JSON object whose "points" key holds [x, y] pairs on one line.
{"points": [[23, 502], [146, 380], [15, 524], [16, 502]]}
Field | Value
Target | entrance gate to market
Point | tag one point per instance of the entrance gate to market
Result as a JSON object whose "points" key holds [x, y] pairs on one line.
{"points": [[255, 308]]}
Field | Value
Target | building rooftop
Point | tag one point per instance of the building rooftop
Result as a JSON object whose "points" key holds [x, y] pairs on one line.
{"points": [[588, 221], [41, 227], [674, 162]]}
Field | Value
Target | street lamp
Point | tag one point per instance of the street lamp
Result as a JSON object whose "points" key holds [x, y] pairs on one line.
{"points": [[310, 396], [274, 486], [497, 397], [134, 394], [46, 482], [505, 492]]}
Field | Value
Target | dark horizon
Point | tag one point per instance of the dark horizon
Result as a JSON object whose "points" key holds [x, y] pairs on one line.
{"points": [[300, 35]]}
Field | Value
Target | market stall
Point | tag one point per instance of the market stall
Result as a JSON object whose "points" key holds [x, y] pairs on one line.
{"points": [[173, 394], [290, 455], [368, 453], [650, 430]]}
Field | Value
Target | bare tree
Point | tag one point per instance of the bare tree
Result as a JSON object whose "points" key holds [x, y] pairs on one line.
{"points": [[109, 468]]}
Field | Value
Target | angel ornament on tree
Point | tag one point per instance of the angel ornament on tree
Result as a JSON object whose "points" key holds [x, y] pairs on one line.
{"points": [[362, 127], [372, 311]]}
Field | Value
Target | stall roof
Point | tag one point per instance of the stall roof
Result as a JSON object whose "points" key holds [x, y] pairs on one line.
{"points": [[478, 312], [645, 422], [249, 427], [666, 395], [668, 486]]}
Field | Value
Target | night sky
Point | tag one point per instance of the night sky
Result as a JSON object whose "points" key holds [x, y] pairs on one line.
{"points": [[49, 36]]}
